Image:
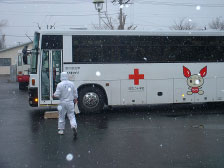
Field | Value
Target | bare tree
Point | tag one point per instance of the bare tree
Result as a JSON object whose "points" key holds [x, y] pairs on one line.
{"points": [[110, 23], [2, 36], [217, 23], [183, 24]]}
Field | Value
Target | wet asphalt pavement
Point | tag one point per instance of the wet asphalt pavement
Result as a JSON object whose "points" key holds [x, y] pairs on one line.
{"points": [[183, 136]]}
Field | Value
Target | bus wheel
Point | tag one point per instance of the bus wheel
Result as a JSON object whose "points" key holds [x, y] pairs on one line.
{"points": [[91, 100]]}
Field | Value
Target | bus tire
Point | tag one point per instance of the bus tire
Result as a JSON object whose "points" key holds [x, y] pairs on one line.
{"points": [[91, 99]]}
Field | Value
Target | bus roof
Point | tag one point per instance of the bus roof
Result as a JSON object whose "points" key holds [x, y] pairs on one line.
{"points": [[133, 32]]}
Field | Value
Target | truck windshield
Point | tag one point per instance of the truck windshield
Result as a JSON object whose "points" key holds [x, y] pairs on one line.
{"points": [[34, 57]]}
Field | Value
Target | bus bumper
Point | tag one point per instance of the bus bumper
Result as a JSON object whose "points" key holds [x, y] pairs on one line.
{"points": [[23, 78], [33, 97]]}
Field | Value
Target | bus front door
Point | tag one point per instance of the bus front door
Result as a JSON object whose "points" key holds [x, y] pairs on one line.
{"points": [[51, 66]]}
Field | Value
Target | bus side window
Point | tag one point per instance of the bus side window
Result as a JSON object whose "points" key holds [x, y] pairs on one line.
{"points": [[19, 60]]}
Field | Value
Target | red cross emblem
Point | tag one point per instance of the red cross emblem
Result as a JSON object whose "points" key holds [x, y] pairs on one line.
{"points": [[136, 76]]}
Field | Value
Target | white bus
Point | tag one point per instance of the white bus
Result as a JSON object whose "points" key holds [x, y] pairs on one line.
{"points": [[23, 65], [112, 68]]}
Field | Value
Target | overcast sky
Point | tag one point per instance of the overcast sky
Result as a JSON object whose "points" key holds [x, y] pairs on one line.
{"points": [[23, 16]]}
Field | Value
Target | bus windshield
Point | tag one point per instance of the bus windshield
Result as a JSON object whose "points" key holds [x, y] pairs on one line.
{"points": [[34, 53], [36, 40]]}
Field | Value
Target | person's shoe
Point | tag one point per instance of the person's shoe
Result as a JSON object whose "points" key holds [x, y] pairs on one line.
{"points": [[74, 132], [61, 132]]}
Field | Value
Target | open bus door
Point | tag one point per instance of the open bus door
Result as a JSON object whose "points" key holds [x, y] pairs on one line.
{"points": [[51, 66]]}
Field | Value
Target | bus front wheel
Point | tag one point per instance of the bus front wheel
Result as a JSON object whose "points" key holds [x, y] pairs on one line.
{"points": [[91, 99]]}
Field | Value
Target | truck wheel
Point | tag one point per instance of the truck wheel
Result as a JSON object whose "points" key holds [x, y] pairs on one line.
{"points": [[21, 86], [91, 99]]}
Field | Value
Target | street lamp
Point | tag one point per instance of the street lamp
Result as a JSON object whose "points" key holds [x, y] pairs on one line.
{"points": [[98, 6]]}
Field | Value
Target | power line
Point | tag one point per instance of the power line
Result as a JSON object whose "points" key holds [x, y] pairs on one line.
{"points": [[10, 35], [79, 15], [178, 4], [42, 2], [58, 15], [18, 26], [50, 14], [170, 16]]}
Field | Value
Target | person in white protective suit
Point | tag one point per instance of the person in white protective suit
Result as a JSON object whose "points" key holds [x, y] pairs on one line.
{"points": [[68, 95]]}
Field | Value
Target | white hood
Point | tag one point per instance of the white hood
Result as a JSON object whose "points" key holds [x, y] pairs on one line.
{"points": [[64, 76]]}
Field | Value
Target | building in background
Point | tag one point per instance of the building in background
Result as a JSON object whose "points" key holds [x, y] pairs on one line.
{"points": [[8, 57]]}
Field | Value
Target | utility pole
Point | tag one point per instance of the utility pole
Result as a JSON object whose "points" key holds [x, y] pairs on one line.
{"points": [[122, 17], [121, 26]]}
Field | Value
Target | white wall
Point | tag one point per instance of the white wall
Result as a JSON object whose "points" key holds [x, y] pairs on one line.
{"points": [[10, 53]]}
